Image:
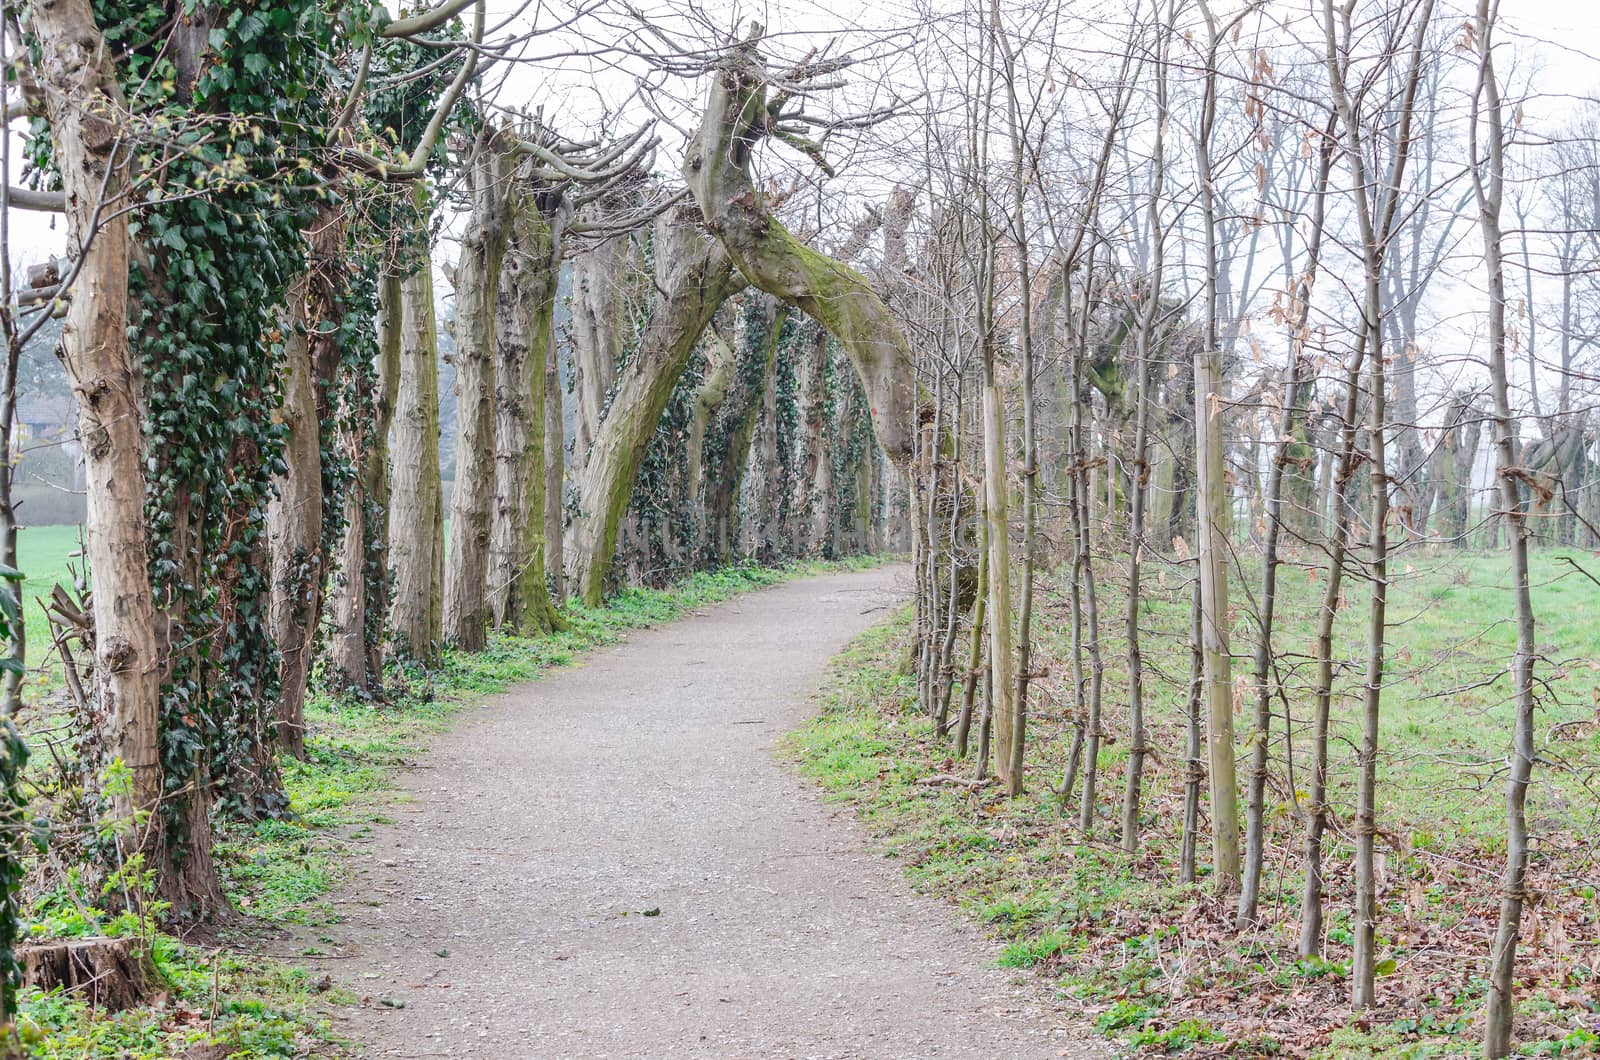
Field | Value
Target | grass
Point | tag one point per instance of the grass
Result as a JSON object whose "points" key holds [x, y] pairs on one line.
{"points": [[281, 873], [1157, 964], [47, 556]]}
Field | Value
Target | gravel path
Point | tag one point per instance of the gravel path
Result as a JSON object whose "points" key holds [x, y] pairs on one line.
{"points": [[609, 863]]}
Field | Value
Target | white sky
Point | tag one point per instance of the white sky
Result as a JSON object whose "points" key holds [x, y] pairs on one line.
{"points": [[1547, 36], [1553, 34]]}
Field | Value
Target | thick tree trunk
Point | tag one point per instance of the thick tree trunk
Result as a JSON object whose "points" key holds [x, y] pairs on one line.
{"points": [[477, 280], [360, 594], [555, 479], [761, 322], [82, 99], [519, 597], [416, 514], [602, 285], [810, 446], [721, 362], [716, 168], [294, 528], [296, 513], [695, 279]]}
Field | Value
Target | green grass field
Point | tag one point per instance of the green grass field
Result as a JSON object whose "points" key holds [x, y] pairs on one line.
{"points": [[1447, 717], [47, 556], [1157, 964]]}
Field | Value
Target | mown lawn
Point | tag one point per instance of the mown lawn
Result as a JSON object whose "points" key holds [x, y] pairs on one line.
{"points": [[1157, 964], [47, 556]]}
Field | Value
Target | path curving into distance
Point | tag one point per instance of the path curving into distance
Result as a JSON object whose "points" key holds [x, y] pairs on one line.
{"points": [[533, 837]]}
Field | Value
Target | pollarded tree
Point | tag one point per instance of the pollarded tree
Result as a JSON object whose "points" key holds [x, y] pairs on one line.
{"points": [[740, 111], [476, 278], [535, 181], [416, 500], [693, 277]]}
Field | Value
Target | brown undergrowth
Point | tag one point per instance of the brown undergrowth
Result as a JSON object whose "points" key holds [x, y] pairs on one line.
{"points": [[1158, 964]]}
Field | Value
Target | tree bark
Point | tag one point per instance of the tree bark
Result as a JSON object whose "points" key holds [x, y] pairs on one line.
{"points": [[717, 170], [525, 331], [695, 278], [761, 321], [361, 594], [601, 288], [1001, 660], [416, 513], [296, 514], [555, 479], [477, 281], [82, 100], [294, 528]]}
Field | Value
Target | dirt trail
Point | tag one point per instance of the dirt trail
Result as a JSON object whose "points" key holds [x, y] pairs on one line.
{"points": [[615, 866]]}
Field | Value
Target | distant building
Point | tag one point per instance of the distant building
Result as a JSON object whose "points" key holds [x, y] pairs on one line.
{"points": [[48, 422]]}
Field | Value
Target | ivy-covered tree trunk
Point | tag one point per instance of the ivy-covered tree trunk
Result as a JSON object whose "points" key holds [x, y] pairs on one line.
{"points": [[713, 391], [761, 532], [416, 512], [361, 597], [810, 445], [695, 278], [294, 529], [477, 279], [82, 98], [717, 170], [727, 450], [299, 517], [525, 330]]}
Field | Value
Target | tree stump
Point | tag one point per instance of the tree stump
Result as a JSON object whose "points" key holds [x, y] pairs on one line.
{"points": [[113, 974]]}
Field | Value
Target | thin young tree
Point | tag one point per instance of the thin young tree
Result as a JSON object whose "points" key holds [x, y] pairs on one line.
{"points": [[1488, 138], [1375, 210]]}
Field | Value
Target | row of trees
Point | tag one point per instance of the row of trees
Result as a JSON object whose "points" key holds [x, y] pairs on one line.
{"points": [[1142, 293], [1170, 301], [254, 196]]}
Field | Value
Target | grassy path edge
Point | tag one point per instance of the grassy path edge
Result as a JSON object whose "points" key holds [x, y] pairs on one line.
{"points": [[230, 1000]]}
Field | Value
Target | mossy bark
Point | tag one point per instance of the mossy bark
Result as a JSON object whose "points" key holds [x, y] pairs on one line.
{"points": [[525, 305], [416, 513], [734, 424], [477, 279], [717, 169], [698, 279]]}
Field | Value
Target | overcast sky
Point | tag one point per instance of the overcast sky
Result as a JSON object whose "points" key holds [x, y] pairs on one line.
{"points": [[1549, 34]]}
